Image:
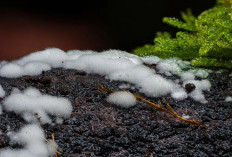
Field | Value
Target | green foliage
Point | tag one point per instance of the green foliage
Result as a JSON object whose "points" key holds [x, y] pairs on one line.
{"points": [[205, 40]]}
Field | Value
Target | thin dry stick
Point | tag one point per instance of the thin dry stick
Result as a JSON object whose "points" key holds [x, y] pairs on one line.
{"points": [[57, 153], [169, 111], [53, 137]]}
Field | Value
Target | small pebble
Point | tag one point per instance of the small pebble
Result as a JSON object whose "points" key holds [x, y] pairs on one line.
{"points": [[190, 87]]}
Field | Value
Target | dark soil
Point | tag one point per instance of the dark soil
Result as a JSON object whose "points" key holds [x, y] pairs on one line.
{"points": [[97, 128]]}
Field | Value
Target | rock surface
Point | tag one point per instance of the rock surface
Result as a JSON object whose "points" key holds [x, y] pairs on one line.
{"points": [[97, 128]]}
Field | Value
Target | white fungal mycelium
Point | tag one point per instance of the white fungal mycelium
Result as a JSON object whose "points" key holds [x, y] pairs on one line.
{"points": [[33, 140], [122, 98], [113, 64], [228, 99], [2, 92], [33, 105], [117, 65]]}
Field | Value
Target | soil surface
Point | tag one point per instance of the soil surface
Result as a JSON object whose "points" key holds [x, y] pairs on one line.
{"points": [[97, 128]]}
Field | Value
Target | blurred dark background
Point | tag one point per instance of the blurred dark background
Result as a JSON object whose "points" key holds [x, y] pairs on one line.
{"points": [[27, 25]]}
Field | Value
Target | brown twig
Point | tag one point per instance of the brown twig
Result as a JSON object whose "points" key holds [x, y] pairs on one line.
{"points": [[53, 137], [57, 153], [169, 110]]}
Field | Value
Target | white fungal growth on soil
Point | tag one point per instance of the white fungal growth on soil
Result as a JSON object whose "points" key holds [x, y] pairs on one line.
{"points": [[33, 139], [2, 92], [122, 98], [124, 86], [32, 105], [197, 93], [228, 99], [113, 64], [0, 109]]}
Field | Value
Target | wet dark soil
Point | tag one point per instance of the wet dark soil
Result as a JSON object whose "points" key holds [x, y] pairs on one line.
{"points": [[97, 128]]}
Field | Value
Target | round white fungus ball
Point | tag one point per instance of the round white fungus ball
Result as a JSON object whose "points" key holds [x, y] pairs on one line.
{"points": [[123, 99]]}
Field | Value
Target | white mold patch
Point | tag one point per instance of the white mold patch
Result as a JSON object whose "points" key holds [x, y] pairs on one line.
{"points": [[32, 105], [114, 65], [33, 140], [2, 92], [228, 99], [123, 99]]}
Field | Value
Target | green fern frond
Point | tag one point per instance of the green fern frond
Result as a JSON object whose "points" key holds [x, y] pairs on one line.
{"points": [[188, 17], [211, 62], [164, 35], [205, 40], [179, 24]]}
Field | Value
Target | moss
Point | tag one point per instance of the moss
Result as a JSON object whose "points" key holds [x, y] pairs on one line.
{"points": [[205, 40]]}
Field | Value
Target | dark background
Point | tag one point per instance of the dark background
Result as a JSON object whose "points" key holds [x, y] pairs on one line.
{"points": [[27, 26]]}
